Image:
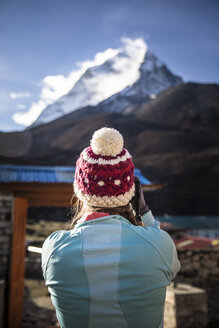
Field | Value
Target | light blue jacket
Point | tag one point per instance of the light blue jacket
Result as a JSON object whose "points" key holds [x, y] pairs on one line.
{"points": [[108, 273]]}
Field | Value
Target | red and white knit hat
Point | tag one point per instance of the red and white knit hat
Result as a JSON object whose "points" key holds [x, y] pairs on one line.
{"points": [[104, 175]]}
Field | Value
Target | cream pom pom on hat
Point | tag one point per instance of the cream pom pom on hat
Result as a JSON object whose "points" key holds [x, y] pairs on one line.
{"points": [[104, 175]]}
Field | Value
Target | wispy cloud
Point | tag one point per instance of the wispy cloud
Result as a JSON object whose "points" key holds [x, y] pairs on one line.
{"points": [[55, 86], [102, 85], [19, 95]]}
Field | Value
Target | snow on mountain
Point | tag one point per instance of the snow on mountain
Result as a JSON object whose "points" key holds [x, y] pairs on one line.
{"points": [[154, 77], [101, 81], [121, 83]]}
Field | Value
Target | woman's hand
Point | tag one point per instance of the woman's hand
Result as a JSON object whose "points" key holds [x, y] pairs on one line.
{"points": [[143, 207]]}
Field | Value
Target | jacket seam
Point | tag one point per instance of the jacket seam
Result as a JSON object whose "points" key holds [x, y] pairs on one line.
{"points": [[153, 247], [47, 261]]}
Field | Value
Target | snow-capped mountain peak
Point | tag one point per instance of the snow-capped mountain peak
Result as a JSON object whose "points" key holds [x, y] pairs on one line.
{"points": [[100, 82], [154, 77], [131, 76]]}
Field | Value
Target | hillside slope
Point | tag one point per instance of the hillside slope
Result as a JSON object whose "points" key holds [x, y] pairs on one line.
{"points": [[174, 139]]}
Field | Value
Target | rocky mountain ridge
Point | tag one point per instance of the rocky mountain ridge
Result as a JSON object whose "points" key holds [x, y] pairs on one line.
{"points": [[174, 140]]}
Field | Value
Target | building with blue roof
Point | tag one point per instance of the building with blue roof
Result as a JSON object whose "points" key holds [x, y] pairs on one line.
{"points": [[47, 174], [46, 185]]}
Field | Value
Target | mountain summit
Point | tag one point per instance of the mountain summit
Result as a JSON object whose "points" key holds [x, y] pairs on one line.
{"points": [[154, 76], [130, 77]]}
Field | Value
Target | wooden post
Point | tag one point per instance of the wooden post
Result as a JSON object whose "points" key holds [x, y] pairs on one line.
{"points": [[16, 278]]}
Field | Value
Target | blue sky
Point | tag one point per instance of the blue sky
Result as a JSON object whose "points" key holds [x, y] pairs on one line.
{"points": [[48, 37]]}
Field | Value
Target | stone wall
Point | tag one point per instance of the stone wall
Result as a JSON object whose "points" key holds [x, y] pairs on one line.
{"points": [[2, 302], [200, 268], [6, 205]]}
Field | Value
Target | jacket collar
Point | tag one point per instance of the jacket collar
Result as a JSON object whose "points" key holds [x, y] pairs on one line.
{"points": [[98, 217], [92, 216]]}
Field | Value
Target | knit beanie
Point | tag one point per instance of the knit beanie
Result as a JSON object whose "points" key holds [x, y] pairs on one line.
{"points": [[104, 175]]}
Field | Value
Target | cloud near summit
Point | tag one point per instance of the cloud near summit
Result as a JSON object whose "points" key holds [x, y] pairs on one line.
{"points": [[125, 72]]}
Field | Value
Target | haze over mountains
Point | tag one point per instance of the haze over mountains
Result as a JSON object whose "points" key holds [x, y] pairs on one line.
{"points": [[171, 128]]}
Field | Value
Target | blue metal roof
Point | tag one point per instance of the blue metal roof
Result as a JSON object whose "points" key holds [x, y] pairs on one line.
{"points": [[43, 174], [46, 174]]}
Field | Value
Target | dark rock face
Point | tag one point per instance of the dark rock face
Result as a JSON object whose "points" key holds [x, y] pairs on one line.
{"points": [[154, 77], [173, 138]]}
